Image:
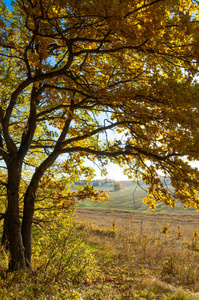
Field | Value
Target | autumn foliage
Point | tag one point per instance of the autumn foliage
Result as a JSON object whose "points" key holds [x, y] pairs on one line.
{"points": [[117, 186], [75, 72]]}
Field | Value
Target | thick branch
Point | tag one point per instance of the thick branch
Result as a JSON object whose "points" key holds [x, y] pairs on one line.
{"points": [[31, 125], [5, 123], [141, 7], [94, 132], [125, 152]]}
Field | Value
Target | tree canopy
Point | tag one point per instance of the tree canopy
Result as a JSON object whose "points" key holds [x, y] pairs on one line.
{"points": [[75, 72], [117, 186]]}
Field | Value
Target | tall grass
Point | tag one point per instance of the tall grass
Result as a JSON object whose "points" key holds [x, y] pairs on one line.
{"points": [[141, 261], [104, 256]]}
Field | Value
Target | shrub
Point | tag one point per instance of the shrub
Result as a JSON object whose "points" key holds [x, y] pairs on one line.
{"points": [[59, 250]]}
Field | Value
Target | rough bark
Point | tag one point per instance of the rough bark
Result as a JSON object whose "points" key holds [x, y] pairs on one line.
{"points": [[5, 238], [28, 212], [17, 258]]}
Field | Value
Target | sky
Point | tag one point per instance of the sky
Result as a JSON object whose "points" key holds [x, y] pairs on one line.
{"points": [[8, 3], [114, 172]]}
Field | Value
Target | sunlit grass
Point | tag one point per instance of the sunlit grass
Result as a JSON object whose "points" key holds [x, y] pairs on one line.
{"points": [[110, 255]]}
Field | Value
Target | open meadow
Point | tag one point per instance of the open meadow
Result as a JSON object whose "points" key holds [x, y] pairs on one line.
{"points": [[142, 255], [101, 252], [130, 198]]}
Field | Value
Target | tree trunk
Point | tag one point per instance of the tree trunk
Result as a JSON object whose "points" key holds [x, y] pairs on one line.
{"points": [[28, 212], [16, 247], [17, 258], [5, 239]]}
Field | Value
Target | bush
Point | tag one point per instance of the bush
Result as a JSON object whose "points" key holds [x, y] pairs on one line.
{"points": [[61, 262], [118, 186], [59, 250]]}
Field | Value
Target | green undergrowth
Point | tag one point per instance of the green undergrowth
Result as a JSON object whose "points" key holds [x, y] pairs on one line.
{"points": [[85, 260], [61, 263]]}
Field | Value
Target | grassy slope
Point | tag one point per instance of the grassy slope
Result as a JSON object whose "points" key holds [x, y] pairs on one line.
{"points": [[130, 198], [142, 261]]}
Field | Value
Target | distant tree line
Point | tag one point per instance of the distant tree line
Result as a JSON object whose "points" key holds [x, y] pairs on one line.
{"points": [[97, 182]]}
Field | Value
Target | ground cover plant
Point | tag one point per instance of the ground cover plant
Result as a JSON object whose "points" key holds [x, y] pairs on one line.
{"points": [[62, 262], [110, 255]]}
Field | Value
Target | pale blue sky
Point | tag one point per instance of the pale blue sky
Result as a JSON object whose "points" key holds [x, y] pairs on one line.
{"points": [[8, 3]]}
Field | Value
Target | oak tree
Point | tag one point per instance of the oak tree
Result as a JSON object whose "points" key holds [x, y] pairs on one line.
{"points": [[75, 72]]}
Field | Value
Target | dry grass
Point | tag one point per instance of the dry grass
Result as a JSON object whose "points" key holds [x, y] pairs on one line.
{"points": [[113, 255], [142, 256]]}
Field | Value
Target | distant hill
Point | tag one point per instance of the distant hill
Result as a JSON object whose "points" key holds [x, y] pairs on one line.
{"points": [[130, 198]]}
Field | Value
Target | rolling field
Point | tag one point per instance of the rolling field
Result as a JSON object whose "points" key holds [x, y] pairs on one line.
{"points": [[142, 255], [130, 198], [119, 250], [156, 253], [141, 222]]}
